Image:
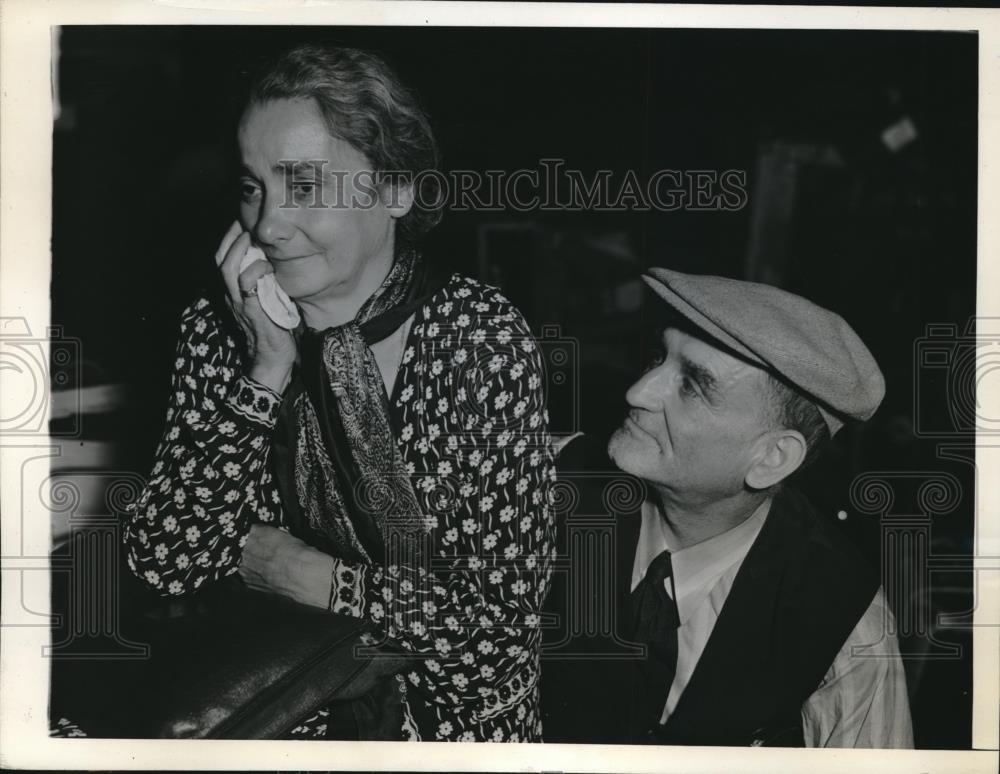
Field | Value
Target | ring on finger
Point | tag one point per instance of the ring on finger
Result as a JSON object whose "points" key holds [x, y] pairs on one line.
{"points": [[249, 293]]}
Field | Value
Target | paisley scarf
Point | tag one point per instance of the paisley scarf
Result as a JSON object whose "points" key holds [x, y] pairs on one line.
{"points": [[344, 486]]}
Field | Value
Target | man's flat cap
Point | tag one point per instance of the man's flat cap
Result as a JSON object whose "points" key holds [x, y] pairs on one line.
{"points": [[810, 347]]}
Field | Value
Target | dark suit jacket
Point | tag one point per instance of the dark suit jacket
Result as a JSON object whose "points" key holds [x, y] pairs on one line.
{"points": [[798, 594]]}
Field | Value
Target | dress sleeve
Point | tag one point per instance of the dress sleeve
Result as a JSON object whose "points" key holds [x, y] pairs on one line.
{"points": [[862, 701], [210, 479], [479, 430]]}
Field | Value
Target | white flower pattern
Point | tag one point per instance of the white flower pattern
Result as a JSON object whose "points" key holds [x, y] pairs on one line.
{"points": [[477, 617]]}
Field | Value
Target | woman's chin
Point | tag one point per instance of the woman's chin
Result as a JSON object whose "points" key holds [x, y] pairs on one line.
{"points": [[295, 288]]}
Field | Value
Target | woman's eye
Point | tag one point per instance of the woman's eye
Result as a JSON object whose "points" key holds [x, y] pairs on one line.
{"points": [[249, 190], [304, 190]]}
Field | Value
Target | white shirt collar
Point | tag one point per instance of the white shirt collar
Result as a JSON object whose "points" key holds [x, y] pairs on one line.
{"points": [[696, 568]]}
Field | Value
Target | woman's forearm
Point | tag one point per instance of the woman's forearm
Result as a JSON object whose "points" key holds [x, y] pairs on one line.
{"points": [[275, 378], [210, 480]]}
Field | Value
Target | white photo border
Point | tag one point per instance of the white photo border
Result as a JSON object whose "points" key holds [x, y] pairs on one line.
{"points": [[25, 273]]}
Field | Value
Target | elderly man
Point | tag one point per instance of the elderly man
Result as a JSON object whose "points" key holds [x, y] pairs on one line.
{"points": [[762, 624]]}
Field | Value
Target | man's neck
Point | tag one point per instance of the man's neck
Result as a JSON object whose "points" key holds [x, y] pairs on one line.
{"points": [[691, 523]]}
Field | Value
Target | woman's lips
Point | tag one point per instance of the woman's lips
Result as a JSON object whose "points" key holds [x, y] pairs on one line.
{"points": [[286, 259]]}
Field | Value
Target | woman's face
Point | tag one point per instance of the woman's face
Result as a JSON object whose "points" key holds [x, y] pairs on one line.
{"points": [[309, 201]]}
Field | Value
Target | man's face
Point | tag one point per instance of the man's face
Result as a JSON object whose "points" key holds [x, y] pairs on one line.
{"points": [[694, 419]]}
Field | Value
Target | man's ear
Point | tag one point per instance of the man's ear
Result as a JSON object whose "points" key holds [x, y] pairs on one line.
{"points": [[397, 196], [781, 453]]}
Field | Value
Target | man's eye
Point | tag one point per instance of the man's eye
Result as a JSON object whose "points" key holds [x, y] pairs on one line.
{"points": [[688, 387], [656, 357]]}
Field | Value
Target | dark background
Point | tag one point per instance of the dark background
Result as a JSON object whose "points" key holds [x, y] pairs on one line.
{"points": [[144, 187]]}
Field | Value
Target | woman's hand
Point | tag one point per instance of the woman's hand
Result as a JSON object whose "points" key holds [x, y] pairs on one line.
{"points": [[271, 347], [279, 563]]}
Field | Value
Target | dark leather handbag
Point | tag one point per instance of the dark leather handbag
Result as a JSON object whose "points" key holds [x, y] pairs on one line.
{"points": [[225, 662]]}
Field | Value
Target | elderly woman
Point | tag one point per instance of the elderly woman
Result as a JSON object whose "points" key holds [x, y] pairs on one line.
{"points": [[389, 458]]}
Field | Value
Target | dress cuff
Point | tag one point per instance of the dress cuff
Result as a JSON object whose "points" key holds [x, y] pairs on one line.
{"points": [[251, 399], [347, 589]]}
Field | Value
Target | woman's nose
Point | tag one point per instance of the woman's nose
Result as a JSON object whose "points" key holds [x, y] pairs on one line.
{"points": [[273, 221]]}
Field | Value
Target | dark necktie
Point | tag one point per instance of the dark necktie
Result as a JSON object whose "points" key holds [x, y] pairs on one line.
{"points": [[655, 621]]}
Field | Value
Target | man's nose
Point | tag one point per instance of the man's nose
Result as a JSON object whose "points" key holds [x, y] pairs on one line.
{"points": [[649, 391]]}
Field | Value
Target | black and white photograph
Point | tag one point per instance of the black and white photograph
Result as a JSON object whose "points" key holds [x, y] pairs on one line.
{"points": [[476, 382]]}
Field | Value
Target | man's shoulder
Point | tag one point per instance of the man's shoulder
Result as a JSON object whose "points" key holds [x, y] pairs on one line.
{"points": [[820, 558], [818, 531]]}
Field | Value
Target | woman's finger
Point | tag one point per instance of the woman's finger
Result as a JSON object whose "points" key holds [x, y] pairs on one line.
{"points": [[227, 242], [251, 308], [249, 276], [231, 265]]}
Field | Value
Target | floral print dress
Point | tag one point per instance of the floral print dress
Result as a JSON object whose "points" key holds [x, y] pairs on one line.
{"points": [[468, 403]]}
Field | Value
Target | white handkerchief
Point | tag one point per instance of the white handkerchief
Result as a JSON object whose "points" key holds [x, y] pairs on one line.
{"points": [[273, 300]]}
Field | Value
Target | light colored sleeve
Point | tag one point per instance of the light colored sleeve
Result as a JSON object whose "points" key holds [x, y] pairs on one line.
{"points": [[862, 700]]}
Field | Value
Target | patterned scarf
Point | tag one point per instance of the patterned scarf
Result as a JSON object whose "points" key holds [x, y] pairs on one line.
{"points": [[353, 495]]}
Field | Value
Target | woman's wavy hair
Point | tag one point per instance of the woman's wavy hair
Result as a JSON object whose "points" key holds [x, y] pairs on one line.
{"points": [[365, 104]]}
